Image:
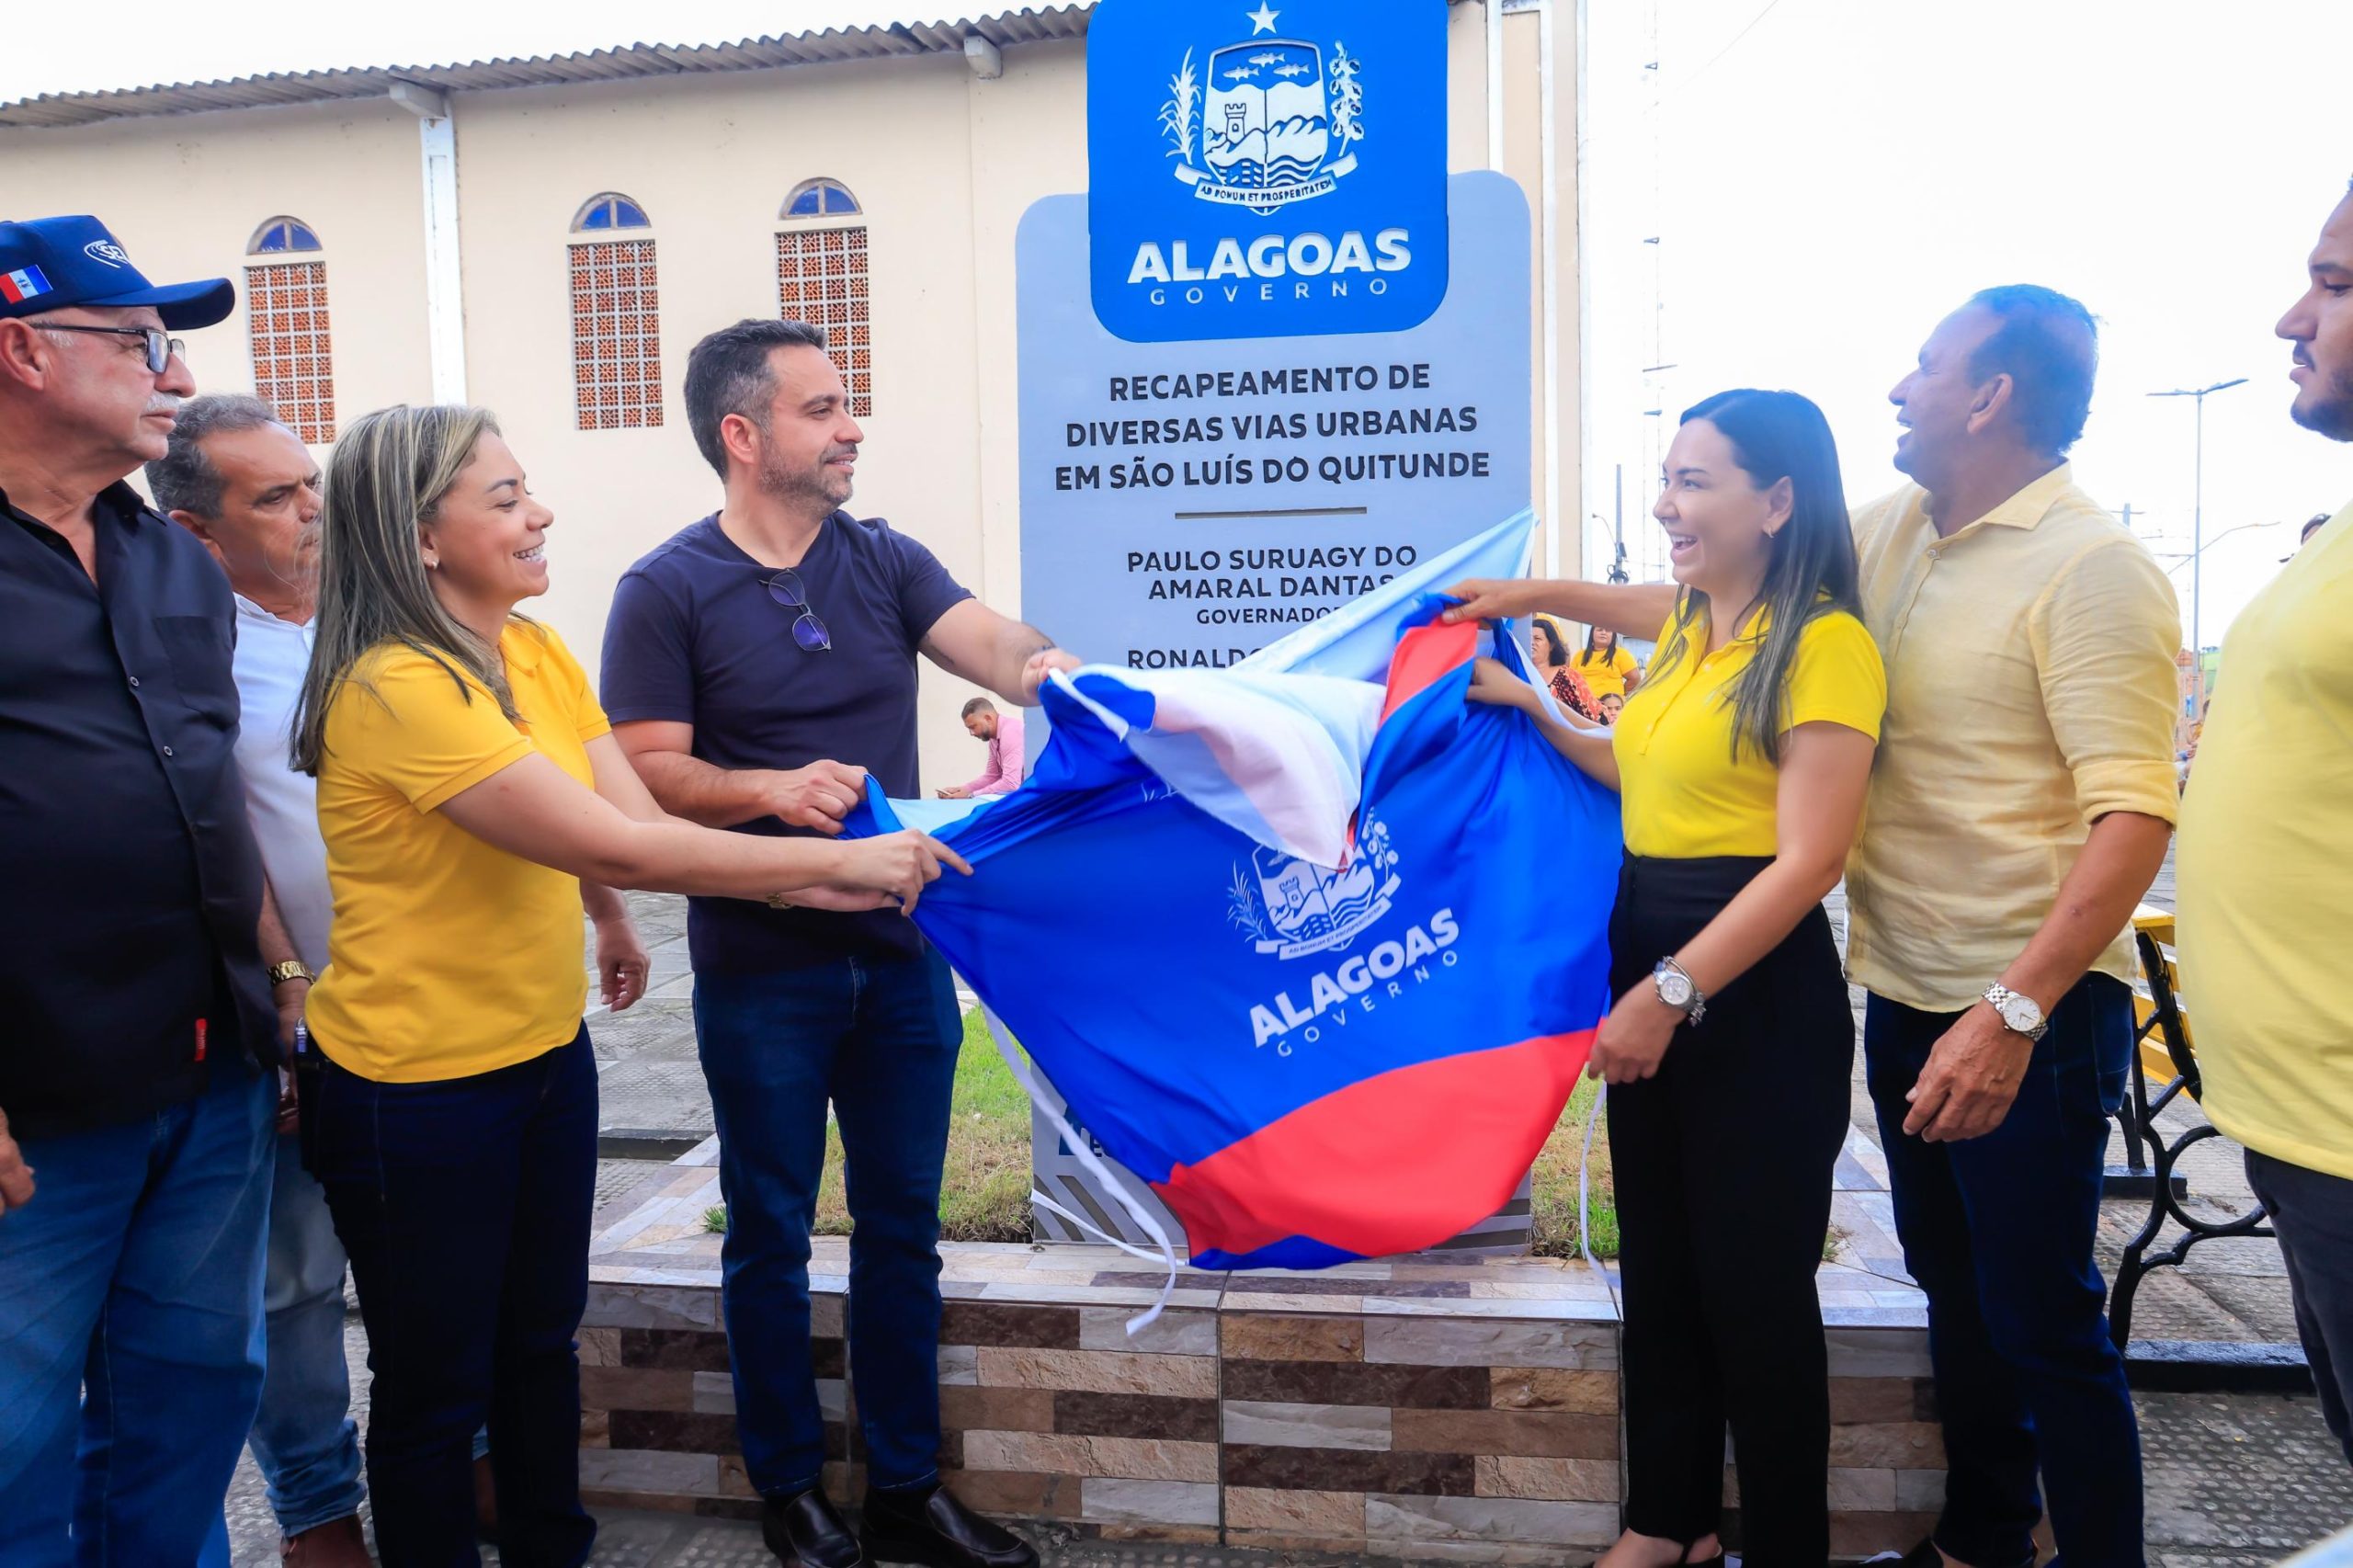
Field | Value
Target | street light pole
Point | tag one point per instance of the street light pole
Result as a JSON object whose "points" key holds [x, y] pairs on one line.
{"points": [[2198, 511]]}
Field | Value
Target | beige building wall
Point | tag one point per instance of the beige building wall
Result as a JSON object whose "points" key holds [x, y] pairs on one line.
{"points": [[943, 163], [184, 194], [712, 160]]}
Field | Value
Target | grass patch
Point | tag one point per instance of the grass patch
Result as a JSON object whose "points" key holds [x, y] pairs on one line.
{"points": [[985, 1192], [1555, 1199], [714, 1219], [985, 1195]]}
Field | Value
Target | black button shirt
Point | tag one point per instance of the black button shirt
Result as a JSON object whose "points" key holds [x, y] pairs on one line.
{"points": [[129, 884]]}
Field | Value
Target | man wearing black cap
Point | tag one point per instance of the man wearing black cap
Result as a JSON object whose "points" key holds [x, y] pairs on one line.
{"points": [[135, 1082]]}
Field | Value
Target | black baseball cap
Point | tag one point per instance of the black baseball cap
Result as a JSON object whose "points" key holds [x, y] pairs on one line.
{"points": [[47, 264]]}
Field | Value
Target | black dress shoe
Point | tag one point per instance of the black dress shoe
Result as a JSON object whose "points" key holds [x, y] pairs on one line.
{"points": [[807, 1529], [932, 1528]]}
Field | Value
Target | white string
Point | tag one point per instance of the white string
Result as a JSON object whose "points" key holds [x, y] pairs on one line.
{"points": [[1585, 1160], [1018, 1062]]}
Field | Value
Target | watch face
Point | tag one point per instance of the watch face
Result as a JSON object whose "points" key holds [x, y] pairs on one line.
{"points": [[1674, 990], [2021, 1015]]}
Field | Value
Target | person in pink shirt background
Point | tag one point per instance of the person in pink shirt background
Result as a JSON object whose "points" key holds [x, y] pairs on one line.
{"points": [[1002, 734]]}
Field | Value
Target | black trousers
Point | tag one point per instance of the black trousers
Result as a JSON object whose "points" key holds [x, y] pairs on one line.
{"points": [[1722, 1166], [464, 1204]]}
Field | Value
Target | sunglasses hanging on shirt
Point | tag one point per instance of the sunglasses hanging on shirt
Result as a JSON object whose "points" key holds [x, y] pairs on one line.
{"points": [[807, 629]]}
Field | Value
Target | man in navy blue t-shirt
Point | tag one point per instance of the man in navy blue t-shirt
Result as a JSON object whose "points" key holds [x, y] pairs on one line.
{"points": [[758, 665]]}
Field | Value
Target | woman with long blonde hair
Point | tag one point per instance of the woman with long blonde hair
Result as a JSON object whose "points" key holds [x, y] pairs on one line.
{"points": [[472, 800]]}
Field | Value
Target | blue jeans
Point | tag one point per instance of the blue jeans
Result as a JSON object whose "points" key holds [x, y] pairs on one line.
{"points": [[879, 1039], [464, 1205], [130, 1330], [2312, 1212], [303, 1438], [1998, 1232]]}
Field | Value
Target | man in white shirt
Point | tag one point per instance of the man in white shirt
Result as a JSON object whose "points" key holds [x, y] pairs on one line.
{"points": [[244, 484]]}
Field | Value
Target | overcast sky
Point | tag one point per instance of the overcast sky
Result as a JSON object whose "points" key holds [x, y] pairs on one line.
{"points": [[1848, 170], [1824, 177]]}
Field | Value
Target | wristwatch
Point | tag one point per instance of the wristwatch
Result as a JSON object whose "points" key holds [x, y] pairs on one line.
{"points": [[2018, 1013], [1678, 990], [292, 969]]}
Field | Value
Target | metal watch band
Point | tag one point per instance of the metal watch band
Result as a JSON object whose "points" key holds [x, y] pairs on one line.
{"points": [[1997, 994], [1697, 1008]]}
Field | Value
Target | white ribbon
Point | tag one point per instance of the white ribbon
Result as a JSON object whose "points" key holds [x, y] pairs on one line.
{"points": [[1585, 1159], [1018, 1061]]}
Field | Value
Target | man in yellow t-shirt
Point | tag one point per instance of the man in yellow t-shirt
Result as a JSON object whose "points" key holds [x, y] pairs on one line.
{"points": [[2267, 873]]}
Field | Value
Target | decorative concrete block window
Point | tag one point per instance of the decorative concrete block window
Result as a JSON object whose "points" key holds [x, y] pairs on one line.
{"points": [[820, 278], [616, 319], [286, 322]]}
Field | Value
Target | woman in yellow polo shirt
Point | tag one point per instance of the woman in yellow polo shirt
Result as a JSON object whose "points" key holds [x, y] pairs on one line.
{"points": [[1606, 667], [1741, 762], [468, 792]]}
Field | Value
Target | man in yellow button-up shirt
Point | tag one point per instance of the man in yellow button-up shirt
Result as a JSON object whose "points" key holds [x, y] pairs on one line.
{"points": [[2267, 872], [2020, 806]]}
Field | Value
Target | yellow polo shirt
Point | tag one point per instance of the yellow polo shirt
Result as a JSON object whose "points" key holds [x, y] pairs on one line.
{"points": [[447, 957], [2030, 690], [1683, 796], [2266, 867], [1607, 674]]}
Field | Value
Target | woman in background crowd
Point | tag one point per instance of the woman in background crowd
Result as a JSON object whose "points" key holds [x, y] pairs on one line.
{"points": [[1567, 686], [1742, 764], [1605, 665], [472, 800]]}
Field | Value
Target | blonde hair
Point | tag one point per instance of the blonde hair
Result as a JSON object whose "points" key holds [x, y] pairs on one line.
{"points": [[390, 474]]}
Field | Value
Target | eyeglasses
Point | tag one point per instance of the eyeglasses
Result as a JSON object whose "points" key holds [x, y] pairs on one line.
{"points": [[161, 346], [807, 629]]}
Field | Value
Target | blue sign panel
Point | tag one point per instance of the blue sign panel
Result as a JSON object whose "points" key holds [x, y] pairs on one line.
{"points": [[1276, 172]]}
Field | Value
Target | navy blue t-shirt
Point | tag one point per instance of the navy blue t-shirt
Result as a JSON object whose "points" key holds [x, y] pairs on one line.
{"points": [[694, 638]]}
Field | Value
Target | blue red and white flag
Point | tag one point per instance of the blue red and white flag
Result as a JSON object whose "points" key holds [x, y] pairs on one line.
{"points": [[25, 283], [1314, 945]]}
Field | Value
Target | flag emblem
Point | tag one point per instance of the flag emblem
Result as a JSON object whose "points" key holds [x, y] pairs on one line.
{"points": [[25, 283]]}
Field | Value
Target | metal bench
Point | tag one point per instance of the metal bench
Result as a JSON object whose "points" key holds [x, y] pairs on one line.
{"points": [[2162, 1055]]}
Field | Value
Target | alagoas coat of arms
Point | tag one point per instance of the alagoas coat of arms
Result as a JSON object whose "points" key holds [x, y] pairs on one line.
{"points": [[1265, 121]]}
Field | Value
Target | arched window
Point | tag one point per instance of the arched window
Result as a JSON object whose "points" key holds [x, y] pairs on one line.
{"points": [[820, 278], [609, 211], [286, 325], [616, 317], [819, 198], [281, 234]]}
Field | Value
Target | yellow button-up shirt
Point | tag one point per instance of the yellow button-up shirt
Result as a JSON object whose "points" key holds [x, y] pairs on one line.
{"points": [[2030, 690], [2267, 869]]}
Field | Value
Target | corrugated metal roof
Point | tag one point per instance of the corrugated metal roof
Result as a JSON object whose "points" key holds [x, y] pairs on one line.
{"points": [[1004, 29]]}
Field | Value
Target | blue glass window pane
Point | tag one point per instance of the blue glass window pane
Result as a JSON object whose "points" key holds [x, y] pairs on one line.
{"points": [[808, 204], [629, 215], [599, 216], [838, 199], [300, 237]]}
